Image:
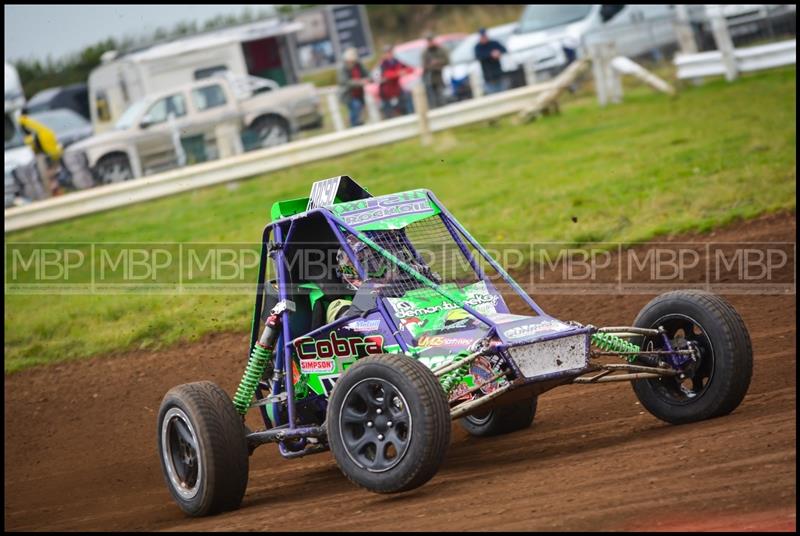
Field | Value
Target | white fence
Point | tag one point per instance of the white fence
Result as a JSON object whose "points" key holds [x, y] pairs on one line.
{"points": [[745, 59], [266, 160]]}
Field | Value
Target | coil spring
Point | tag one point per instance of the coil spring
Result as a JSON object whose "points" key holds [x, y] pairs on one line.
{"points": [[451, 380], [611, 343], [256, 365]]}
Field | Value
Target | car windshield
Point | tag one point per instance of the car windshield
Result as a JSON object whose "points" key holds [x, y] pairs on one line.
{"points": [[60, 120], [540, 17], [13, 136], [410, 56], [128, 118]]}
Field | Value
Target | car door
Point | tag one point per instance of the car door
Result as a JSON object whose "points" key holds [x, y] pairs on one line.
{"points": [[211, 106], [154, 141]]}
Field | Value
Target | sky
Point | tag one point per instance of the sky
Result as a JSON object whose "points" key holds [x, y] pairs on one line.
{"points": [[34, 31]]}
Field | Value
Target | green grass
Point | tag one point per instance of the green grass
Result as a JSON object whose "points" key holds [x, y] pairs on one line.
{"points": [[650, 166]]}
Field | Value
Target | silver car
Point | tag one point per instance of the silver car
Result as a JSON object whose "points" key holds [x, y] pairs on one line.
{"points": [[205, 120]]}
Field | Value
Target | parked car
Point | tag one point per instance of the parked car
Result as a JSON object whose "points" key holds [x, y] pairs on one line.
{"points": [[634, 28], [17, 154], [74, 97], [410, 53], [68, 126], [145, 140]]}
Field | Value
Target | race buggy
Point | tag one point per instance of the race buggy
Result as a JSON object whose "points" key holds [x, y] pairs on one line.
{"points": [[383, 320]]}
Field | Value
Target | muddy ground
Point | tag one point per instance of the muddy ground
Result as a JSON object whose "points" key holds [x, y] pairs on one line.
{"points": [[80, 446]]}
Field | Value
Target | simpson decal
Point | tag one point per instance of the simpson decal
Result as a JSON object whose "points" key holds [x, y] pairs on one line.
{"points": [[317, 366]]}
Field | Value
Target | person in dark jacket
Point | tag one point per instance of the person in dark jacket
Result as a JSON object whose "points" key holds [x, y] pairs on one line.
{"points": [[352, 79], [488, 52]]}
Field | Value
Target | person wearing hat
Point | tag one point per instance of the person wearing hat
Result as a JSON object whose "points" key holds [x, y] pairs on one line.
{"points": [[352, 79], [434, 60], [488, 52]]}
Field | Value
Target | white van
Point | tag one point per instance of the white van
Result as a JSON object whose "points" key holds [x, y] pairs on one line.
{"points": [[635, 28]]}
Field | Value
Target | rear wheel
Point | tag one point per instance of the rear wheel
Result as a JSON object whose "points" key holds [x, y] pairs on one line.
{"points": [[203, 449], [270, 131], [388, 423], [500, 420], [114, 168], [717, 381]]}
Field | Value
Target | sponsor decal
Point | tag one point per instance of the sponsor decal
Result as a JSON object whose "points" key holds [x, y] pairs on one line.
{"points": [[308, 348], [529, 330], [460, 392], [379, 208], [316, 366], [409, 323], [407, 309], [427, 341], [481, 371], [364, 325]]}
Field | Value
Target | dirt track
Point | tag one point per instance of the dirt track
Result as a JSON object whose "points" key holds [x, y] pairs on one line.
{"points": [[80, 447]]}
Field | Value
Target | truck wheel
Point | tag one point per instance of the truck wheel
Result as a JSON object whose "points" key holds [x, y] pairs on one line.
{"points": [[716, 384], [203, 450], [271, 131], [114, 168], [500, 420], [388, 423]]}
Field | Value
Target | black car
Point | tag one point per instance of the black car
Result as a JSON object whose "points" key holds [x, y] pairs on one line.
{"points": [[75, 97]]}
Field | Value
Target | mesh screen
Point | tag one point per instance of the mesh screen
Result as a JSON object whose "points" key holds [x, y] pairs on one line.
{"points": [[425, 249]]}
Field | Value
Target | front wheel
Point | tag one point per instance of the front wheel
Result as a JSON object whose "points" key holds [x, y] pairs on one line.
{"points": [[203, 449], [388, 423], [500, 420], [714, 384]]}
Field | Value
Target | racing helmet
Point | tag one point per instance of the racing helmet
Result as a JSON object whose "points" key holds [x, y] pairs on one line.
{"points": [[375, 265]]}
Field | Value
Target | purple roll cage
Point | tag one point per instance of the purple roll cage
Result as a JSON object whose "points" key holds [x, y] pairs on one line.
{"points": [[282, 231]]}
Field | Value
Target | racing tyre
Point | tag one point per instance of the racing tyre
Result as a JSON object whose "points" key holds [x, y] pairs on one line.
{"points": [[714, 385], [388, 423], [114, 168], [500, 420], [203, 449]]}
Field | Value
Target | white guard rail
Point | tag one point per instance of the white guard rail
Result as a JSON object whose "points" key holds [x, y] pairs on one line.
{"points": [[266, 160], [747, 59]]}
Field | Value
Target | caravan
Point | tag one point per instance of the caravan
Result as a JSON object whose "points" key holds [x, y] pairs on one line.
{"points": [[259, 49]]}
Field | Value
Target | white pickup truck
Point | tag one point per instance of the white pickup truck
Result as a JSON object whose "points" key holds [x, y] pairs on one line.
{"points": [[205, 120]]}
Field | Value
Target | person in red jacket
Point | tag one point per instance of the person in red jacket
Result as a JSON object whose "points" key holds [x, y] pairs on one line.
{"points": [[394, 100]]}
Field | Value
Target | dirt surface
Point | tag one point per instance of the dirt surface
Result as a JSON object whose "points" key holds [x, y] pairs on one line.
{"points": [[80, 446]]}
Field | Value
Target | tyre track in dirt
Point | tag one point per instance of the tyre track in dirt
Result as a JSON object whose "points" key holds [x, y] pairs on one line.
{"points": [[81, 449]]}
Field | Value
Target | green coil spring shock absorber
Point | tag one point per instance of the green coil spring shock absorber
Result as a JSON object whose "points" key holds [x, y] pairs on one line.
{"points": [[260, 357], [451, 380], [611, 343]]}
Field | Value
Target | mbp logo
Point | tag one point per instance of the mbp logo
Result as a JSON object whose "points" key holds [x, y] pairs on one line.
{"points": [[664, 264]]}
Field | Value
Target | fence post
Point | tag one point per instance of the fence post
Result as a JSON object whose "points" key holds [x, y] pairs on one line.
{"points": [[477, 87], [723, 39], [373, 115], [421, 108], [612, 77], [683, 30], [336, 113]]}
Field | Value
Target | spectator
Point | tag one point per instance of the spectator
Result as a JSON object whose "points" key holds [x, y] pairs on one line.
{"points": [[46, 148], [394, 100], [352, 78], [434, 60], [488, 52]]}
